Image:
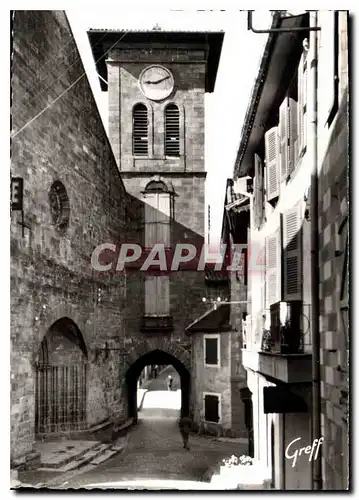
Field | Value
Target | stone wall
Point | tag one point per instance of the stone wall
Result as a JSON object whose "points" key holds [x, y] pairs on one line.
{"points": [[51, 276]]}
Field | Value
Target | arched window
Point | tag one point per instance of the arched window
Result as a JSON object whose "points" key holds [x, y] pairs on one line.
{"points": [[172, 130], [59, 206], [140, 130], [158, 207]]}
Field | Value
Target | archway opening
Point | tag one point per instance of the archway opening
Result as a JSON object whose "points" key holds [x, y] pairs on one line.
{"points": [[61, 380], [156, 358]]}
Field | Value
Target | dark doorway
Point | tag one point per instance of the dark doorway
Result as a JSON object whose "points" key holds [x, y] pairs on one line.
{"points": [[273, 454], [61, 380], [156, 357]]}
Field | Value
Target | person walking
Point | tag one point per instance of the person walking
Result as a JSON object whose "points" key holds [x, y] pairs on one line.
{"points": [[169, 382], [185, 424]]}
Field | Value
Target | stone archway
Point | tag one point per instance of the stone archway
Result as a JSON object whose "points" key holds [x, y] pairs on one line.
{"points": [[61, 380], [156, 357]]}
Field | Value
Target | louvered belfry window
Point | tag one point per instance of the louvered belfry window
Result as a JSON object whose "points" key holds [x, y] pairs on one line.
{"points": [[140, 130], [172, 130]]}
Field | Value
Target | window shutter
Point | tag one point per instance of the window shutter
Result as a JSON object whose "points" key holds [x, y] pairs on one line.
{"points": [[272, 162], [140, 130], [211, 408], [162, 292], [329, 61], [273, 269], [151, 204], [163, 218], [211, 351], [292, 135], [284, 138], [151, 295], [258, 191], [172, 130], [302, 104], [292, 253]]}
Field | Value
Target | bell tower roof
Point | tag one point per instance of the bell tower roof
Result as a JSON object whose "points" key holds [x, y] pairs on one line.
{"points": [[101, 40]]}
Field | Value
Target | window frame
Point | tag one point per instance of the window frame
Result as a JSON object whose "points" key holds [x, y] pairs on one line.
{"points": [[219, 397], [218, 338], [134, 154], [174, 105]]}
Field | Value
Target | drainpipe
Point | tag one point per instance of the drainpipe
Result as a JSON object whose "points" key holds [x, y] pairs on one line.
{"points": [[315, 310]]}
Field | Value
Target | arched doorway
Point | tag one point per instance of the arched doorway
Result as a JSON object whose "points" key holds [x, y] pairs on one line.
{"points": [[156, 357], [61, 380]]}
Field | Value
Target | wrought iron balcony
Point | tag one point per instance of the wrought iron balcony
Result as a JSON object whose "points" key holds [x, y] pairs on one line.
{"points": [[156, 323], [289, 339]]}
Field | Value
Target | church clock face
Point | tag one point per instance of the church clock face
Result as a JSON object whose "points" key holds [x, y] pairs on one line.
{"points": [[156, 82]]}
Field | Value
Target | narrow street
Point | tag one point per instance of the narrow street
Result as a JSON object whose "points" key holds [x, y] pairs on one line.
{"points": [[154, 448]]}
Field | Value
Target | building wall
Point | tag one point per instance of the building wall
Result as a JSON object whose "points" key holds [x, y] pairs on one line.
{"points": [[333, 207], [51, 275], [211, 379]]}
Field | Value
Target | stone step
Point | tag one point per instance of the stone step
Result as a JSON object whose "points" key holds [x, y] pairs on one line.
{"points": [[85, 459], [62, 463]]}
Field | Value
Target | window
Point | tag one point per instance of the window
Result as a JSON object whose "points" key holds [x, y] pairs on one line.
{"points": [[158, 214], [288, 137], [59, 206], [212, 350], [292, 253], [140, 130], [302, 104], [158, 202], [212, 407], [273, 269], [172, 130], [157, 296], [258, 200], [329, 60], [272, 148]]}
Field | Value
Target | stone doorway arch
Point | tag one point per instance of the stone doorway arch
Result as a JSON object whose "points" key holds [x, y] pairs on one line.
{"points": [[156, 357], [61, 380]]}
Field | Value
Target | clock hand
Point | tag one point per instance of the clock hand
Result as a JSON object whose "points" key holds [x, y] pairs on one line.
{"points": [[157, 81]]}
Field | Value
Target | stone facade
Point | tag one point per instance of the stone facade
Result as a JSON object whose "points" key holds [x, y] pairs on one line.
{"points": [[334, 322]]}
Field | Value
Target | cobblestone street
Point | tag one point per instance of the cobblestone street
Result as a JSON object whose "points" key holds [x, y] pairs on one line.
{"points": [[154, 448]]}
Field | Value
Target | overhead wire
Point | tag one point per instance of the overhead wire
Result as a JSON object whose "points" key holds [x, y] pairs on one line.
{"points": [[65, 91]]}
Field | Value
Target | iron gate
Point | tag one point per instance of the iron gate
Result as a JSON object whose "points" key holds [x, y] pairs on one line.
{"points": [[60, 398]]}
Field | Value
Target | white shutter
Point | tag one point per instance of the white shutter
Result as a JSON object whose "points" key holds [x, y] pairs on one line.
{"points": [[272, 162], [283, 138], [292, 253], [258, 191], [273, 269], [162, 291], [292, 135], [327, 57], [151, 204], [302, 104], [151, 295], [164, 208]]}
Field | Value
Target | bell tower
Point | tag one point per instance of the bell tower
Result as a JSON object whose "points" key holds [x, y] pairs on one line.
{"points": [[156, 83]]}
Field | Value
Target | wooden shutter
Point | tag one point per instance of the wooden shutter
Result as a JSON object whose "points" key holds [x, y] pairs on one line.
{"points": [[302, 104], [211, 408], [140, 130], [328, 57], [273, 269], [292, 254], [258, 191], [272, 162], [163, 218], [151, 206], [151, 295], [284, 138], [163, 295], [292, 135], [172, 130]]}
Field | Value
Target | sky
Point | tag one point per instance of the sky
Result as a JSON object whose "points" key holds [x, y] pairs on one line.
{"points": [[225, 108]]}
